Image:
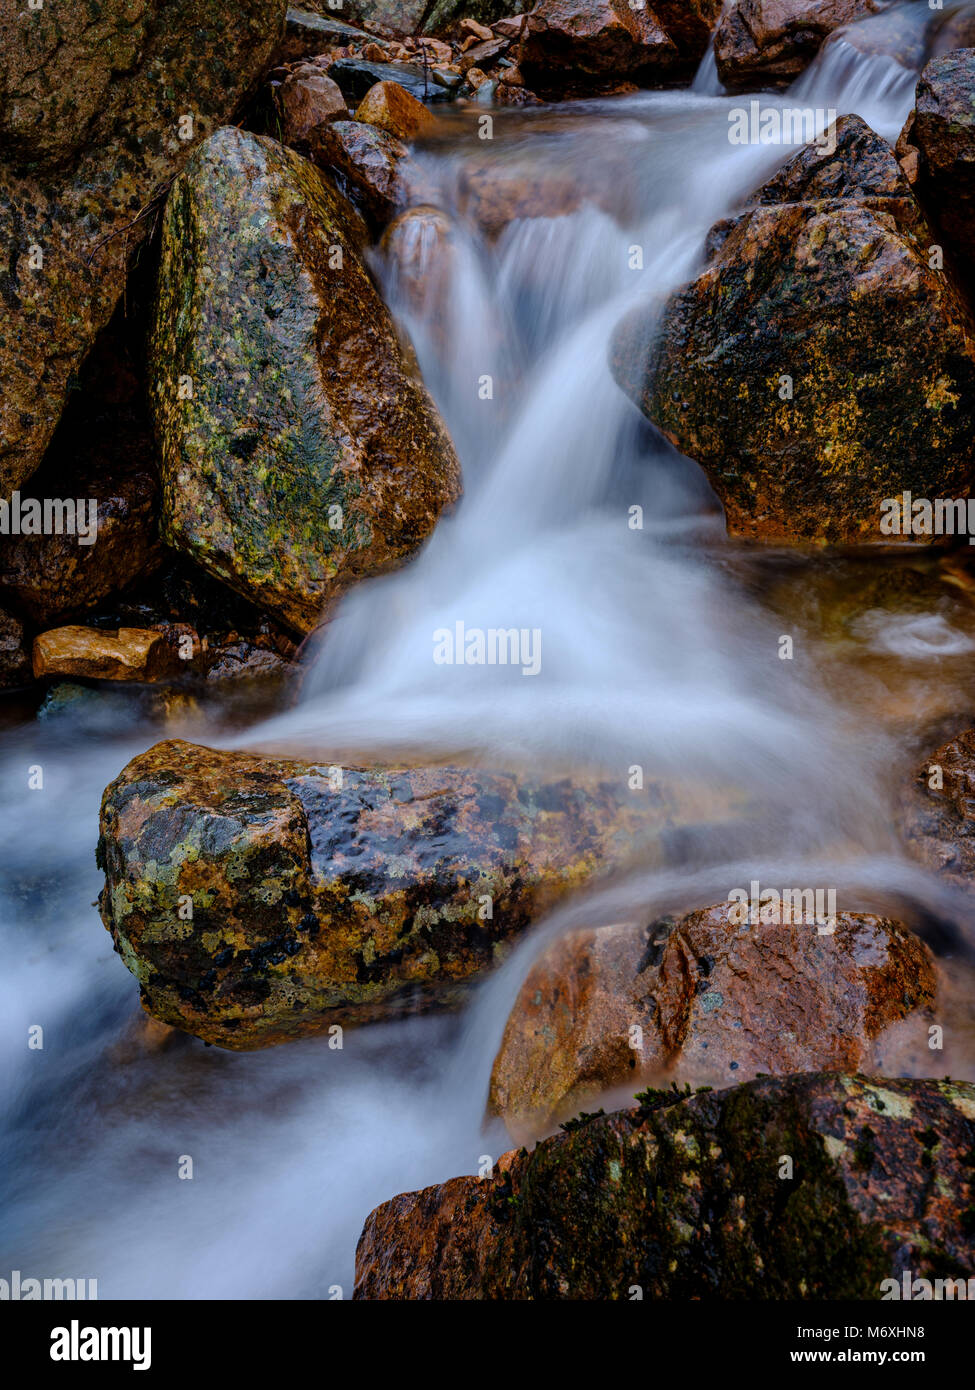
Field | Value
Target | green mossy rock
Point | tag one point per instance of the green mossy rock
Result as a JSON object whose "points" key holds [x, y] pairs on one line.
{"points": [[309, 454], [687, 1200], [314, 903], [92, 98], [824, 279]]}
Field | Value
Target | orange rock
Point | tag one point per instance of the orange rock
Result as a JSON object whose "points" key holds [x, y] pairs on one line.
{"points": [[130, 654], [390, 107], [305, 99], [479, 31], [704, 1001]]}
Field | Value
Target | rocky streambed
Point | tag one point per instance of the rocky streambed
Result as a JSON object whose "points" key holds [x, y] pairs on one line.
{"points": [[513, 525]]}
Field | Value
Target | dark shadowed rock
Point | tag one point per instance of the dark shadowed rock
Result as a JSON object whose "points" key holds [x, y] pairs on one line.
{"points": [[943, 132], [704, 1001], [15, 666], [694, 1199], [592, 39], [347, 894], [309, 454], [822, 286], [93, 107]]}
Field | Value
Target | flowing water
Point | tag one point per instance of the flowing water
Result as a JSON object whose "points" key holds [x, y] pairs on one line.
{"points": [[659, 648]]}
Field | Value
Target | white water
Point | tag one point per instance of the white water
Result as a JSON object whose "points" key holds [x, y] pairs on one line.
{"points": [[652, 652]]}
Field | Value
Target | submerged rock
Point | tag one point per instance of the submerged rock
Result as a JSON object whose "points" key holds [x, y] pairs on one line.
{"points": [[769, 42], [818, 1186], [819, 365], [323, 894], [309, 454], [100, 105], [701, 1000]]}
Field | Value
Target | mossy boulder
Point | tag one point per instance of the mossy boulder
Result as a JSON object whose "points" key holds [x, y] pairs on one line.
{"points": [[818, 1186], [100, 105], [259, 900], [702, 1000], [820, 364], [306, 454]]}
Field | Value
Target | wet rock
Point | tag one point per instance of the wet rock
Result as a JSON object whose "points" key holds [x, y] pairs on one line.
{"points": [[564, 40], [674, 1200], [245, 661], [701, 1000], [305, 99], [307, 34], [689, 23], [356, 77], [15, 664], [130, 654], [819, 364], [483, 55], [938, 816], [450, 16], [943, 132], [374, 168], [421, 250], [92, 127], [769, 42], [388, 16], [309, 455], [493, 197], [323, 895], [389, 107]]}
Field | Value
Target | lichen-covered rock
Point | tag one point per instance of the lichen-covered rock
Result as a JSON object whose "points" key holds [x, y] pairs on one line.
{"points": [[819, 365], [389, 107], [943, 131], [309, 454], [768, 42], [321, 894], [15, 664], [938, 812], [374, 168], [704, 1001], [816, 1186], [94, 108], [592, 39]]}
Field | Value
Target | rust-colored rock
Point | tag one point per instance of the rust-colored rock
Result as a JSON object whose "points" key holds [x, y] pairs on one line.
{"points": [[305, 99], [129, 654], [763, 42], [566, 40], [373, 167], [939, 810], [693, 1199], [389, 107], [819, 366], [943, 132], [324, 894], [701, 1000]]}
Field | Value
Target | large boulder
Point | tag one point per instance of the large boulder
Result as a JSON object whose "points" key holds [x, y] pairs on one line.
{"points": [[583, 40], [769, 42], [817, 1186], [705, 1001], [259, 900], [943, 131], [821, 364], [100, 105], [306, 453]]}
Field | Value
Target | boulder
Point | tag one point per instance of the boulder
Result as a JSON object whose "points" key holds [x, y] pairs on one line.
{"points": [[818, 1186], [819, 365], [374, 168], [938, 813], [356, 77], [576, 40], [452, 14], [305, 99], [701, 1000], [769, 42], [307, 35], [943, 132], [130, 654], [15, 665], [309, 454], [99, 108], [389, 107], [321, 894]]}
